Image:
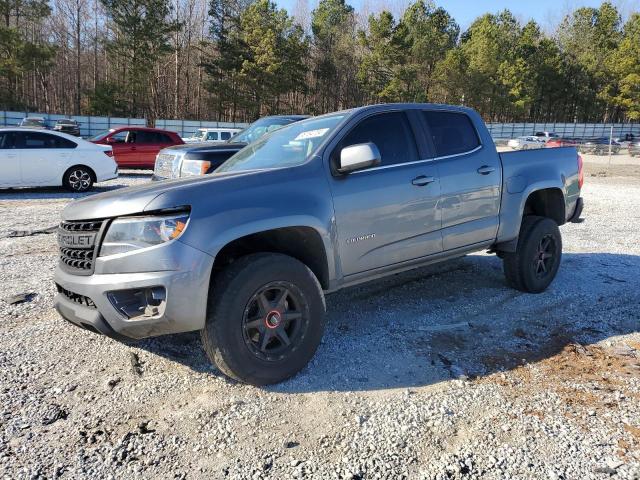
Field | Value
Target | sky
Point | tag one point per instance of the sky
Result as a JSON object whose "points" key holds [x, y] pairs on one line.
{"points": [[547, 13]]}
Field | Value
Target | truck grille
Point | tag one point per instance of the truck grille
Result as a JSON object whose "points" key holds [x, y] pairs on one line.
{"points": [[78, 245], [164, 166]]}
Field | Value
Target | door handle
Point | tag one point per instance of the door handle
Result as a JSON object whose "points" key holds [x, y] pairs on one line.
{"points": [[486, 170], [422, 180], [133, 148]]}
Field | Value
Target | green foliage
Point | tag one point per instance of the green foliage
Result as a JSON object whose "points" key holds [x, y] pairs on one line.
{"points": [[335, 61], [625, 65], [255, 60], [20, 54], [274, 52], [142, 38], [259, 57], [108, 99]]}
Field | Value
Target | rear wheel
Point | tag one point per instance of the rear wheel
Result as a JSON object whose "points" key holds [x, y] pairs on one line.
{"points": [[534, 264], [265, 318], [78, 179]]}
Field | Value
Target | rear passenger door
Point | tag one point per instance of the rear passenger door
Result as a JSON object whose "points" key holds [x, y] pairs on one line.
{"points": [[388, 214], [43, 157], [470, 179]]}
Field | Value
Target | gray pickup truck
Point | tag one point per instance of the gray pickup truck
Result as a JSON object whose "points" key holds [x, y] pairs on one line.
{"points": [[245, 255]]}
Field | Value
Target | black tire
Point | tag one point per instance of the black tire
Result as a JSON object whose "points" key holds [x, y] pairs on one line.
{"points": [[531, 269], [78, 179], [244, 315]]}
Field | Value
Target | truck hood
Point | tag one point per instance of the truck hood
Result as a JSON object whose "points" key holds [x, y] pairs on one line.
{"points": [[137, 199], [206, 146]]}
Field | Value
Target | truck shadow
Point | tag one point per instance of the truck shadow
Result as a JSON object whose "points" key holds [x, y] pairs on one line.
{"points": [[454, 320]]}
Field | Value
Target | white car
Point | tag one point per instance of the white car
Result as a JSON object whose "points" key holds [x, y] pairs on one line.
{"points": [[37, 158], [212, 135], [546, 136], [527, 142]]}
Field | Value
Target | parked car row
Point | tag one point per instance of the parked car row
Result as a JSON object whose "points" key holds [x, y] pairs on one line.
{"points": [[31, 156], [594, 146]]}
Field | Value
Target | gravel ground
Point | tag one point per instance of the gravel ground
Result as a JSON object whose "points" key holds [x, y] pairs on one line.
{"points": [[440, 373]]}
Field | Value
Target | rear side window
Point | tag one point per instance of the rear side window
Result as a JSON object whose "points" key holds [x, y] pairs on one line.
{"points": [[163, 138], [452, 133], [146, 137], [390, 132], [44, 140], [225, 135], [6, 140]]}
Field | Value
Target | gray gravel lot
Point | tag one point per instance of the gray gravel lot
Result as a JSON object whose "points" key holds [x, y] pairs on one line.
{"points": [[440, 373]]}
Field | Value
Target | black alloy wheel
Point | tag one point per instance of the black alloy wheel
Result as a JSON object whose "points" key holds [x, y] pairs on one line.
{"points": [[265, 318], [275, 320], [543, 259]]}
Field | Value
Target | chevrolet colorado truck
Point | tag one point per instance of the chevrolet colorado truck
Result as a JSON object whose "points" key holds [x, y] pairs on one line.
{"points": [[245, 255]]}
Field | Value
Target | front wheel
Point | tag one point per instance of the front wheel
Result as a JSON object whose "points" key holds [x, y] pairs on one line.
{"points": [[534, 264], [265, 318], [77, 179]]}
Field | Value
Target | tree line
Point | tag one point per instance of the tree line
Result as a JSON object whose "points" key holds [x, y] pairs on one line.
{"points": [[236, 60]]}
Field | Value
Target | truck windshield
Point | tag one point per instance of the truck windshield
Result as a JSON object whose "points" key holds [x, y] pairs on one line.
{"points": [[289, 146], [259, 128]]}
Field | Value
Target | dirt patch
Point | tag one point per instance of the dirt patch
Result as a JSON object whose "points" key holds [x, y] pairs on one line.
{"points": [[589, 380]]}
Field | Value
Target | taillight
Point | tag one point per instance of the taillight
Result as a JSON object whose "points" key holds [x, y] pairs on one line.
{"points": [[580, 172], [108, 153]]}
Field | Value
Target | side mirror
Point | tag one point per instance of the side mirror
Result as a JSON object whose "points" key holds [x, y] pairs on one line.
{"points": [[358, 157]]}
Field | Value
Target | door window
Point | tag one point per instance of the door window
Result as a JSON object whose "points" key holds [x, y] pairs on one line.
{"points": [[163, 138], [44, 140], [145, 137], [452, 133], [390, 132], [7, 140], [121, 136], [225, 135], [212, 136]]}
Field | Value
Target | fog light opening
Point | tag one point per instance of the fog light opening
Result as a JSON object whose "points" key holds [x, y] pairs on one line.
{"points": [[139, 303]]}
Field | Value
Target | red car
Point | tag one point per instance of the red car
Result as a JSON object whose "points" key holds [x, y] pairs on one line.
{"points": [[137, 147], [562, 142]]}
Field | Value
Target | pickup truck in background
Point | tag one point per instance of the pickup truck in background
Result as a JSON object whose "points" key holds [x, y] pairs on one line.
{"points": [[246, 255], [202, 158]]}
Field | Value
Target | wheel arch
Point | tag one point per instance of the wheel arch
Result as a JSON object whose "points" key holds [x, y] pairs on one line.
{"points": [[546, 202], [545, 199], [303, 243]]}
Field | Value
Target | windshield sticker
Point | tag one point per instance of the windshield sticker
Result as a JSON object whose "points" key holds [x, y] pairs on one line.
{"points": [[312, 134]]}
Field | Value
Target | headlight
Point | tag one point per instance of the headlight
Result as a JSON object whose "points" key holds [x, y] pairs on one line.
{"points": [[194, 167], [133, 233]]}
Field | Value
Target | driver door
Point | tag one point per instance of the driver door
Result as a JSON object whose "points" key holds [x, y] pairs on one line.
{"points": [[388, 214], [123, 147]]}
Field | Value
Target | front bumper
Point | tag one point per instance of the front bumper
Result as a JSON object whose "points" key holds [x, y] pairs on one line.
{"points": [[182, 270]]}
